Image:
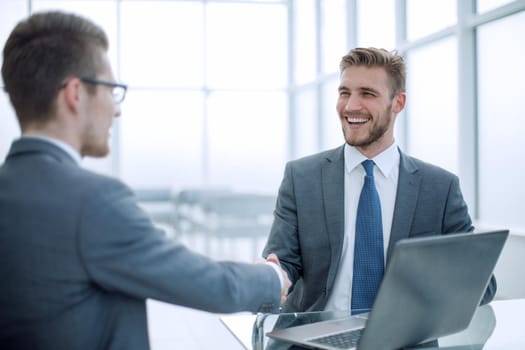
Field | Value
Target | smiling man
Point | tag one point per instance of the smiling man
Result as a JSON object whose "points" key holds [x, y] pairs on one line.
{"points": [[334, 227]]}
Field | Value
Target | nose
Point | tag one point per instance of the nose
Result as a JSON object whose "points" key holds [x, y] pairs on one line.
{"points": [[353, 103], [118, 111]]}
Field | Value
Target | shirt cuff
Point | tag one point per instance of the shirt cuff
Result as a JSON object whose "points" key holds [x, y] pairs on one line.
{"points": [[277, 271]]}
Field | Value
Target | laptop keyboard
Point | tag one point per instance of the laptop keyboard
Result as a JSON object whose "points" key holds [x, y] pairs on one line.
{"points": [[344, 340]]}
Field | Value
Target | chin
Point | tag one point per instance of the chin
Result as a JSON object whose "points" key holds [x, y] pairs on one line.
{"points": [[103, 152], [356, 142], [96, 152]]}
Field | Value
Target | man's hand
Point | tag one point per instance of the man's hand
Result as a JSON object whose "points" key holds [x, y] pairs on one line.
{"points": [[286, 281]]}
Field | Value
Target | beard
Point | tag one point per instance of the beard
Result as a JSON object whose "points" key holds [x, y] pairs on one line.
{"points": [[95, 143], [379, 128], [99, 150]]}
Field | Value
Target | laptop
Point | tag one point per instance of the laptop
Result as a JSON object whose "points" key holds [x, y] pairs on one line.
{"points": [[432, 287]]}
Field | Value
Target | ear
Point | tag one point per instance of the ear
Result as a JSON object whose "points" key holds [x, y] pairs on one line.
{"points": [[71, 95], [399, 102]]}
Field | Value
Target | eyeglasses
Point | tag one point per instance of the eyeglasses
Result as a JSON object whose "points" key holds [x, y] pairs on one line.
{"points": [[117, 90]]}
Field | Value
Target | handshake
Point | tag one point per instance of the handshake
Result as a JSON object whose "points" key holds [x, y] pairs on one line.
{"points": [[286, 283]]}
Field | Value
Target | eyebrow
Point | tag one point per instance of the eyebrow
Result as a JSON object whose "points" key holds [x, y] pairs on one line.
{"points": [[368, 89], [361, 89]]}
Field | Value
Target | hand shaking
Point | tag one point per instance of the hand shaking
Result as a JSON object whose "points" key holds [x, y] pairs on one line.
{"points": [[286, 281]]}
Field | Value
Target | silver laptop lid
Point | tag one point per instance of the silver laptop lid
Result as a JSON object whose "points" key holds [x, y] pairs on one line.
{"points": [[431, 288]]}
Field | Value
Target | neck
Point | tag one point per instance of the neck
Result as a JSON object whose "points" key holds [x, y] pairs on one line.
{"points": [[372, 150], [54, 131]]}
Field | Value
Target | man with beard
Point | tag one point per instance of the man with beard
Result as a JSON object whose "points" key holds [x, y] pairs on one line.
{"points": [[317, 232]]}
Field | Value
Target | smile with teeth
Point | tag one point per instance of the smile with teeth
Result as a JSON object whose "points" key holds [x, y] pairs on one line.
{"points": [[357, 120]]}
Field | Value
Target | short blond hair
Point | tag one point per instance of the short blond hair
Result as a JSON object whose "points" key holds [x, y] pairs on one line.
{"points": [[391, 61]]}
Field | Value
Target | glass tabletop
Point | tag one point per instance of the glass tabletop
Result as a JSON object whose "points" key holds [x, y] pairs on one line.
{"points": [[474, 337]]}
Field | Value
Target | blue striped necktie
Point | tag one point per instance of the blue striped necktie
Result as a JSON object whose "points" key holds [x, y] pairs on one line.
{"points": [[368, 248]]}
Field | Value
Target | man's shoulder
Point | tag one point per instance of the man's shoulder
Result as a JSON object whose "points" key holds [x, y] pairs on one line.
{"points": [[413, 164], [98, 183], [319, 158]]}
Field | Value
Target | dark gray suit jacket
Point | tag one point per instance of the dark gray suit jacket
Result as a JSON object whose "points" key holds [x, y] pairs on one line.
{"points": [[308, 228], [78, 258]]}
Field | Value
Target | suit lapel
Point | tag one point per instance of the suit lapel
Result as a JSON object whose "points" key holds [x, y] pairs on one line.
{"points": [[406, 198], [332, 181]]}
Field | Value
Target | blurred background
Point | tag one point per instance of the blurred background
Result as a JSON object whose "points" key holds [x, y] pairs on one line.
{"points": [[222, 93]]}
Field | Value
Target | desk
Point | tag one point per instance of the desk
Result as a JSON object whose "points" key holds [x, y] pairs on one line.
{"points": [[497, 326]]}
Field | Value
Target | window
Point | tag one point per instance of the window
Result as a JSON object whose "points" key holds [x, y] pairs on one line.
{"points": [[426, 17], [162, 139], [234, 85], [170, 53], [305, 124], [487, 5], [370, 14], [242, 49], [196, 134], [304, 41], [247, 132], [333, 39], [331, 128], [432, 105], [501, 102]]}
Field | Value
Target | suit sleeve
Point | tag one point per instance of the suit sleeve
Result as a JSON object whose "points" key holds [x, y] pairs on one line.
{"points": [[457, 219], [283, 239], [124, 252]]}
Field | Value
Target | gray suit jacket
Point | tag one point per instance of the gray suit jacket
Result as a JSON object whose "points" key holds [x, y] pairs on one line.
{"points": [[308, 228], [78, 258]]}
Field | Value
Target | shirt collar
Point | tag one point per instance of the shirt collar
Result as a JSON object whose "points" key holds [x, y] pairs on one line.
{"points": [[385, 161], [73, 153]]}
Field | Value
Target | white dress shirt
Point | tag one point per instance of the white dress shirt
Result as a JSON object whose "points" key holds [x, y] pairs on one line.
{"points": [[386, 173]]}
